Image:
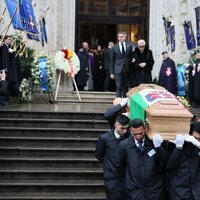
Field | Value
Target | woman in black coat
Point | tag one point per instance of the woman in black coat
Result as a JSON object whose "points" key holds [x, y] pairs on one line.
{"points": [[142, 65]]}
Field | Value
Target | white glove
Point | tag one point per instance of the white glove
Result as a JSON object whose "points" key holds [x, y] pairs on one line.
{"points": [[10, 50], [179, 141], [192, 140], [126, 114], [157, 140], [123, 102]]}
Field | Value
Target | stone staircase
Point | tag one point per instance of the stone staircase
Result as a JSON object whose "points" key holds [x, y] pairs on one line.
{"points": [[86, 97], [48, 155]]}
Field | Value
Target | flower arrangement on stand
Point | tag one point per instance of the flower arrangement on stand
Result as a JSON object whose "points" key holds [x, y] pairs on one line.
{"points": [[29, 84], [36, 72], [68, 62]]}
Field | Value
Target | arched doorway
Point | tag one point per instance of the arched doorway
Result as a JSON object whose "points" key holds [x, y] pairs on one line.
{"points": [[98, 21]]}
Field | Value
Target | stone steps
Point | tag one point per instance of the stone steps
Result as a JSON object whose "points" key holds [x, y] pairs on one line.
{"points": [[47, 152], [51, 155], [51, 132], [53, 123]]}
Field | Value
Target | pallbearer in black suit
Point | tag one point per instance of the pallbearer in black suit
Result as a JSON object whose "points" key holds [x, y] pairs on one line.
{"points": [[120, 64], [106, 152]]}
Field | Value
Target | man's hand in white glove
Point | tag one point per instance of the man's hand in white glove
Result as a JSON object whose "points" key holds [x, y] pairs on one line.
{"points": [[157, 140], [193, 140], [123, 102], [179, 141]]}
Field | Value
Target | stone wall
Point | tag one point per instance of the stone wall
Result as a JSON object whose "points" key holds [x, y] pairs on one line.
{"points": [[177, 12]]}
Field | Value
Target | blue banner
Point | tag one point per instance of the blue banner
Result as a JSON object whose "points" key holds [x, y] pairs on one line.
{"points": [[12, 5], [167, 25], [43, 70], [27, 16], [197, 11], [172, 38], [189, 35]]}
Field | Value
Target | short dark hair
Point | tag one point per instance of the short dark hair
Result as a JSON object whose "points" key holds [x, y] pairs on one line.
{"points": [[164, 52], [196, 127], [6, 37], [122, 119], [136, 123]]}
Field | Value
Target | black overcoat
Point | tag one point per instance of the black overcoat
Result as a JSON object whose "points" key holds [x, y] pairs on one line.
{"points": [[144, 169]]}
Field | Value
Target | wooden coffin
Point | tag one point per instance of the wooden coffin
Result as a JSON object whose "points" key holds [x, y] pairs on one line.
{"points": [[166, 117]]}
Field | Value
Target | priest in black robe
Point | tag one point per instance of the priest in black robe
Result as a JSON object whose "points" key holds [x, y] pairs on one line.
{"points": [[82, 76], [167, 75]]}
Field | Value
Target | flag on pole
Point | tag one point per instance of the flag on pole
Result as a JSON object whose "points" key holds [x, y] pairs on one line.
{"points": [[43, 31], [197, 11], [27, 16], [12, 6], [167, 25], [189, 35], [172, 38]]}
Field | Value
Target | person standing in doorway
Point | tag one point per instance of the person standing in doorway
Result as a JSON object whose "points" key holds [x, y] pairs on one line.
{"points": [[142, 64], [120, 64], [82, 77], [107, 53]]}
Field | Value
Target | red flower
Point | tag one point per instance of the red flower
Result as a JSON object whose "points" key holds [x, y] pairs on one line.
{"points": [[65, 51]]}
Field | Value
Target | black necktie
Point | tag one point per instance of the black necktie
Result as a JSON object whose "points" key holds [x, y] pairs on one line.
{"points": [[123, 50], [140, 145]]}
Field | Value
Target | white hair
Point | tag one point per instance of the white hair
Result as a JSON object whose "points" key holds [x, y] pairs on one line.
{"points": [[141, 42]]}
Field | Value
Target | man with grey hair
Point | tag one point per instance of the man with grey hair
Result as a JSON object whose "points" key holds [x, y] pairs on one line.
{"points": [[142, 64], [120, 64]]}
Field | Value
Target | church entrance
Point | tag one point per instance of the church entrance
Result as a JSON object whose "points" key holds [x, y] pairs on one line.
{"points": [[98, 21]]}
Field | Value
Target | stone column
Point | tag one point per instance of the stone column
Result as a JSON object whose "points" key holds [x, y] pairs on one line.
{"points": [[62, 30], [156, 33]]}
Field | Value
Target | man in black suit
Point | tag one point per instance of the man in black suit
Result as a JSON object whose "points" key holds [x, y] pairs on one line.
{"points": [[106, 152], [145, 161], [120, 64]]}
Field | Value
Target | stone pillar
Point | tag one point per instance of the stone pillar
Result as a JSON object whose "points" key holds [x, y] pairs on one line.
{"points": [[156, 33], [62, 30]]}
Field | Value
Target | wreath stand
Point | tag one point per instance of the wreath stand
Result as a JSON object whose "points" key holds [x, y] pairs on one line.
{"points": [[58, 85]]}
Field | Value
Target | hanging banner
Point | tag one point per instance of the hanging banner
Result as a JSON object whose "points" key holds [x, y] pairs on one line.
{"points": [[167, 27], [12, 5], [27, 16], [172, 38], [197, 11], [43, 31], [189, 35]]}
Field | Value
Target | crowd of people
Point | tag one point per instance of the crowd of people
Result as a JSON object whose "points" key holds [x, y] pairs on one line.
{"points": [[128, 65], [138, 168], [118, 67], [10, 68]]}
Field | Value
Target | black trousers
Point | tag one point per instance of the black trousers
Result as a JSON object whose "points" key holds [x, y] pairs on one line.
{"points": [[121, 81]]}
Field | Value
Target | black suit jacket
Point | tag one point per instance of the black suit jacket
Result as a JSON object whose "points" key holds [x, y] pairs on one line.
{"points": [[106, 151], [117, 60], [143, 169]]}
